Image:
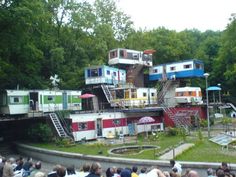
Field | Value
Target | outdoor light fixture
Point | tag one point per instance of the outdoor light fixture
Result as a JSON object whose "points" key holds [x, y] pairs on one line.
{"points": [[206, 75], [219, 92]]}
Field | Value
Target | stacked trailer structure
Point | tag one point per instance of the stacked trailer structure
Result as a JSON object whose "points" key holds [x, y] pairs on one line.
{"points": [[104, 75], [184, 95], [134, 97], [183, 69], [111, 124], [14, 102], [53, 100], [130, 57], [20, 102]]}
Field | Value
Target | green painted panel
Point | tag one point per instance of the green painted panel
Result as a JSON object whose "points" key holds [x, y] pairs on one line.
{"points": [[56, 99], [75, 99], [26, 99], [18, 100]]}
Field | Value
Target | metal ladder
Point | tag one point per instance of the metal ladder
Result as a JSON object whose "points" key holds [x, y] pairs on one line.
{"points": [[57, 124], [107, 93]]}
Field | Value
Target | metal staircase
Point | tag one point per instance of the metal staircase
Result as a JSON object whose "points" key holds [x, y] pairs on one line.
{"points": [[162, 90], [181, 118], [107, 93], [57, 124], [231, 105], [170, 112]]}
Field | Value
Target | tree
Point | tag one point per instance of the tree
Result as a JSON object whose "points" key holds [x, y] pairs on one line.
{"points": [[225, 66]]}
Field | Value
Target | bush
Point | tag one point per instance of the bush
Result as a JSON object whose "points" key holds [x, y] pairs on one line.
{"points": [[203, 123], [182, 132], [200, 135], [171, 131], [40, 132], [64, 142]]}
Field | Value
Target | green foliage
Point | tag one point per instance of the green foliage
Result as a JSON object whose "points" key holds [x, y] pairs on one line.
{"points": [[64, 142], [170, 131], [203, 123], [40, 133], [182, 132], [226, 120], [154, 137], [200, 135], [42, 38]]}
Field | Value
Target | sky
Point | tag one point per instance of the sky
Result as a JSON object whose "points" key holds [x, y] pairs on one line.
{"points": [[179, 14]]}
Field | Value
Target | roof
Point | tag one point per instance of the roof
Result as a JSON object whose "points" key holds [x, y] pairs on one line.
{"points": [[183, 61], [187, 89], [149, 109]]}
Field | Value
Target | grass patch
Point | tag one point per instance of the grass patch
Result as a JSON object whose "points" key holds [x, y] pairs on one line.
{"points": [[207, 151], [203, 151]]}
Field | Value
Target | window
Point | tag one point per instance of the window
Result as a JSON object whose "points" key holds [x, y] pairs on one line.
{"points": [[113, 54], [108, 72], [155, 128], [16, 99], [116, 122], [51, 98], [147, 57], [155, 70], [179, 94], [94, 72], [198, 66], [187, 66], [135, 55], [88, 73], [172, 68], [123, 54], [133, 93], [152, 94], [144, 94], [114, 73], [119, 94], [83, 126], [126, 94]]}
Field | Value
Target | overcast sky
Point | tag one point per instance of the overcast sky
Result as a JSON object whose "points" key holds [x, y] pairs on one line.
{"points": [[179, 14]]}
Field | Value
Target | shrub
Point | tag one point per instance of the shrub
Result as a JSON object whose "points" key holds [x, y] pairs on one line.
{"points": [[200, 135], [64, 142], [203, 123], [182, 132], [171, 131], [40, 132]]}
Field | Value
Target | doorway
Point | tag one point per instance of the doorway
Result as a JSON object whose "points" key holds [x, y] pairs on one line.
{"points": [[33, 97], [99, 127]]}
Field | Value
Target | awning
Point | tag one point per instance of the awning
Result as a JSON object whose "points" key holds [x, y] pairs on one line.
{"points": [[213, 88]]}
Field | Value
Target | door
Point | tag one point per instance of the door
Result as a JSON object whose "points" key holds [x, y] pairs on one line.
{"points": [[64, 100], [99, 127], [34, 101], [131, 128]]}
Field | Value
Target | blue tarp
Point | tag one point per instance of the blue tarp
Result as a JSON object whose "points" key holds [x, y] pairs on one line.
{"points": [[213, 88]]}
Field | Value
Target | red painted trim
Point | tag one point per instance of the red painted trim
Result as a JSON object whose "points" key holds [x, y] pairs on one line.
{"points": [[90, 126], [109, 123]]}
